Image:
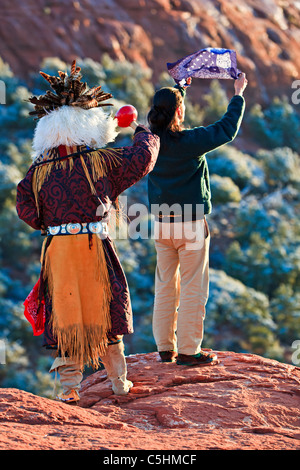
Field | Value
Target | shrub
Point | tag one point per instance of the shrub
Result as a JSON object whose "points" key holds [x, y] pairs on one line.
{"points": [[243, 169], [281, 166], [224, 190], [238, 317], [275, 126]]}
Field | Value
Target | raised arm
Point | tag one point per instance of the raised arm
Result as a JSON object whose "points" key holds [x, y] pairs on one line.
{"points": [[225, 130], [137, 160]]}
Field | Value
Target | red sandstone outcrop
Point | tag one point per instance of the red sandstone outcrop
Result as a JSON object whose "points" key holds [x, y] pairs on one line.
{"points": [[245, 402], [265, 34]]}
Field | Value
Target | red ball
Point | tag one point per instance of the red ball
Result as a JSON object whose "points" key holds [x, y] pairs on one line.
{"points": [[126, 115]]}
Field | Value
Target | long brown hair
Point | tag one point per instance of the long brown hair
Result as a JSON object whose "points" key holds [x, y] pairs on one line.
{"points": [[162, 115]]}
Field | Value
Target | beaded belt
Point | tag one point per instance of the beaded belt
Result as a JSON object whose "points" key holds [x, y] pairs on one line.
{"points": [[78, 228]]}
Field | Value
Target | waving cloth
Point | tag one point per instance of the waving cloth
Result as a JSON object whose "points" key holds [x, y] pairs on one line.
{"points": [[206, 63]]}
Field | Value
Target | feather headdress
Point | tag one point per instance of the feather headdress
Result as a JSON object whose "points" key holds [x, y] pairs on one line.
{"points": [[68, 91]]}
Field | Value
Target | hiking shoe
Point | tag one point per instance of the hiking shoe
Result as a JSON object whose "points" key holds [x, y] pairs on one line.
{"points": [[201, 359], [72, 397], [168, 356]]}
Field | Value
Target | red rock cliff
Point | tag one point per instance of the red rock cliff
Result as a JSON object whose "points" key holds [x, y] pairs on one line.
{"points": [[265, 34]]}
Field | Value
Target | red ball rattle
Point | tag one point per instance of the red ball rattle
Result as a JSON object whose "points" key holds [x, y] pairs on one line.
{"points": [[126, 115]]}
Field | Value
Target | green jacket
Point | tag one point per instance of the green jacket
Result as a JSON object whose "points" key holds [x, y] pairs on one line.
{"points": [[180, 176]]}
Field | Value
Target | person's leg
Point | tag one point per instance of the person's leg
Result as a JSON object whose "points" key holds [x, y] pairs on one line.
{"points": [[115, 365], [194, 272], [167, 289], [70, 375]]}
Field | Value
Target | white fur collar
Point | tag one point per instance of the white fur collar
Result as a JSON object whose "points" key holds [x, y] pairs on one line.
{"points": [[74, 126]]}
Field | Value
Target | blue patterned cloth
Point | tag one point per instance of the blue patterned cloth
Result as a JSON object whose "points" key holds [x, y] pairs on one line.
{"points": [[206, 63]]}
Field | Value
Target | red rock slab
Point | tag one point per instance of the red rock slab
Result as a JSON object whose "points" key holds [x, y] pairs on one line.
{"points": [[246, 402]]}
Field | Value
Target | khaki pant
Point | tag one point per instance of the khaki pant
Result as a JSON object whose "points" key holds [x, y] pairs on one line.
{"points": [[181, 285]]}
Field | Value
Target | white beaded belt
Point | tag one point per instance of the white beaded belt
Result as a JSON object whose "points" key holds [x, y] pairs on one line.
{"points": [[78, 228]]}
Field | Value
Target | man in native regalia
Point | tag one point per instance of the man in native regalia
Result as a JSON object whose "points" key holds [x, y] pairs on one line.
{"points": [[81, 302]]}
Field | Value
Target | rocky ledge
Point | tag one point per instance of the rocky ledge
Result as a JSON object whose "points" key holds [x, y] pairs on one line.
{"points": [[245, 402]]}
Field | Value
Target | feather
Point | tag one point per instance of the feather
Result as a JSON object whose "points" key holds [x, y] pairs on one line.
{"points": [[62, 74], [68, 90], [73, 67]]}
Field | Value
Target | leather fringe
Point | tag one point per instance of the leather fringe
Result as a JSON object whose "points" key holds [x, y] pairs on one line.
{"points": [[81, 338]]}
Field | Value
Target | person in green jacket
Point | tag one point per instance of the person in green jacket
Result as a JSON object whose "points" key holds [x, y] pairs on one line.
{"points": [[180, 198]]}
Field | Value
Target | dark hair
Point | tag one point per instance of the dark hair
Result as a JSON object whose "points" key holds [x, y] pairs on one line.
{"points": [[161, 117]]}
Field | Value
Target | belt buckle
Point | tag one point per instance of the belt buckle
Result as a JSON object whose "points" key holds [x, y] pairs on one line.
{"points": [[54, 230], [95, 227], [73, 228]]}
